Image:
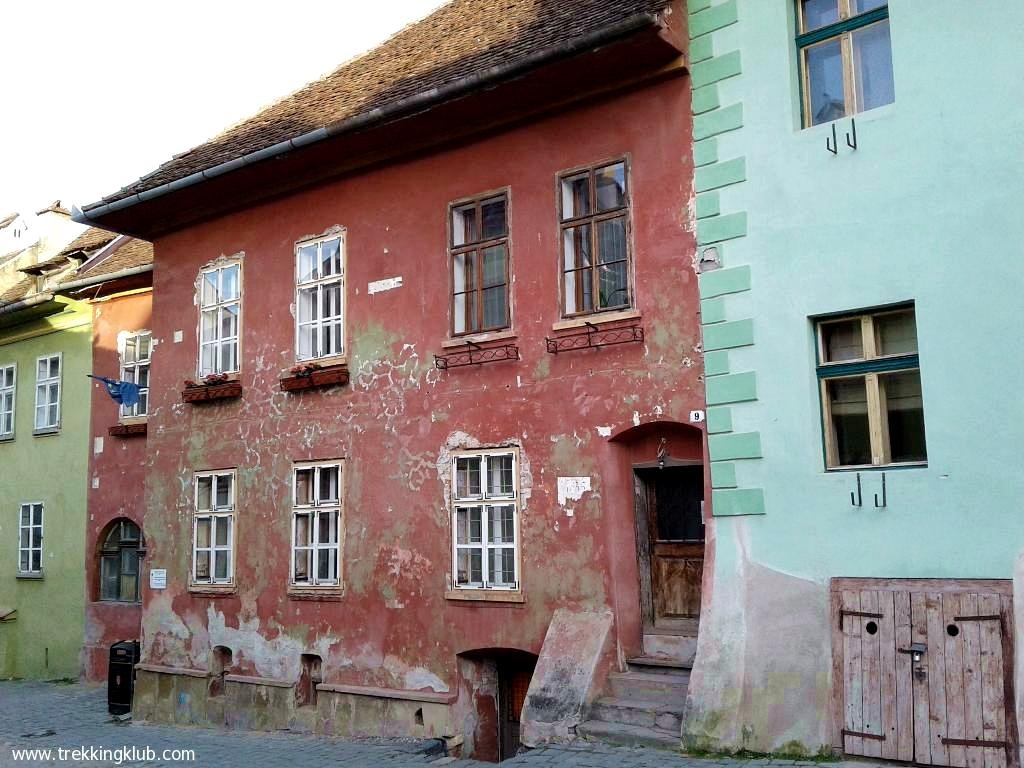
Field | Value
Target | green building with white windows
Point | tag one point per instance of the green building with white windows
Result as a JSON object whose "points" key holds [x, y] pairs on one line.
{"points": [[858, 186]]}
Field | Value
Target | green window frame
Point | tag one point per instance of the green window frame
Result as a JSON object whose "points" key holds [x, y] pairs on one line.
{"points": [[866, 83]]}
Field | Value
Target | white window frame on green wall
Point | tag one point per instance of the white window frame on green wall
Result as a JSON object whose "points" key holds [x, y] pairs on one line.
{"points": [[48, 394], [8, 399]]}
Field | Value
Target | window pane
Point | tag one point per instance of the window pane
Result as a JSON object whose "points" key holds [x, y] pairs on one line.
{"points": [[470, 567], [203, 565], [307, 263], [493, 214], [203, 533], [501, 528], [327, 532], [304, 486], [613, 285], [502, 567], [611, 240], [818, 13], [36, 560], [332, 341], [872, 66], [302, 563], [220, 561], [109, 578], [330, 257], [129, 350], [229, 356], [42, 369], [26, 515], [54, 367], [222, 524], [37, 537], [861, 6], [468, 524], [25, 538], [143, 346], [209, 289], [499, 475], [129, 591], [467, 477], [611, 187], [307, 304], [905, 413], [897, 333], [208, 359], [331, 300], [464, 225], [224, 491], [842, 341], [494, 266], [303, 530], [576, 242], [208, 325], [324, 570], [229, 283], [576, 196], [204, 493], [495, 314], [129, 561], [824, 64], [328, 490], [229, 321], [24, 561], [142, 375], [849, 406]]}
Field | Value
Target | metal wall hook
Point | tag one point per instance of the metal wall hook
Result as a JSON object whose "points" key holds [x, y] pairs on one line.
{"points": [[857, 499], [883, 494], [853, 128], [832, 146]]}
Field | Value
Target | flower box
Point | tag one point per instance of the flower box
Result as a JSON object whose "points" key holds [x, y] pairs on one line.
{"points": [[334, 375], [201, 393], [127, 430]]}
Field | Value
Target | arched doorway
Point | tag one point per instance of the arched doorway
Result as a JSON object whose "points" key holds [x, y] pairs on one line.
{"points": [[498, 679]]}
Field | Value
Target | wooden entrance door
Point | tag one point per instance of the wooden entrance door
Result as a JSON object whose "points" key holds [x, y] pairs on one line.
{"points": [[670, 526], [923, 671]]}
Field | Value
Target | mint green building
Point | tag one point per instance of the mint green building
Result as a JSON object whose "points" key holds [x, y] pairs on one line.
{"points": [[857, 202], [45, 352]]}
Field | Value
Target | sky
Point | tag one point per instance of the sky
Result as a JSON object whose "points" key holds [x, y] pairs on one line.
{"points": [[94, 95]]}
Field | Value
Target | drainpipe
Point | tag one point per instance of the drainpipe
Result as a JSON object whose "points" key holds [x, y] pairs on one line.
{"points": [[86, 282], [417, 102]]}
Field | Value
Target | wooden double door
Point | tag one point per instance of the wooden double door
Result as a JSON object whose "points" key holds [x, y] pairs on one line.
{"points": [[670, 536], [923, 671]]}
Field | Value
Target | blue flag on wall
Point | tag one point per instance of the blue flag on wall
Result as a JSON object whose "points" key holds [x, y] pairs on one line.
{"points": [[122, 392]]}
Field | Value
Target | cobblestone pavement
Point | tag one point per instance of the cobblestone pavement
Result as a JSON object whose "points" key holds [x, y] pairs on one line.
{"points": [[48, 716]]}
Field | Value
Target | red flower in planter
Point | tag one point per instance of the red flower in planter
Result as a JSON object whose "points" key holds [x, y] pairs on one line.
{"points": [[305, 369]]}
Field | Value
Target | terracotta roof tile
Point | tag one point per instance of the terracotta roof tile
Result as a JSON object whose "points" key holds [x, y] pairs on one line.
{"points": [[90, 240], [20, 290], [131, 253], [461, 38]]}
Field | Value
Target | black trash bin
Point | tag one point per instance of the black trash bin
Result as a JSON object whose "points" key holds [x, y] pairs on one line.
{"points": [[121, 676]]}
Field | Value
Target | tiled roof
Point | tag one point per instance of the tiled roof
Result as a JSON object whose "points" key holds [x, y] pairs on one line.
{"points": [[54, 207], [90, 240], [8, 219], [20, 290], [131, 253], [462, 38]]}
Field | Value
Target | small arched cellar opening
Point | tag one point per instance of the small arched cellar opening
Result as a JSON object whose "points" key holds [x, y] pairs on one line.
{"points": [[497, 680], [220, 665], [666, 460]]}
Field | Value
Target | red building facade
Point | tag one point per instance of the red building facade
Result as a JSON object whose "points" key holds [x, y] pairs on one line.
{"points": [[435, 378]]}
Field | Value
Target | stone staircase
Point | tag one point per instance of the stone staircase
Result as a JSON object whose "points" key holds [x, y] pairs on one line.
{"points": [[642, 706]]}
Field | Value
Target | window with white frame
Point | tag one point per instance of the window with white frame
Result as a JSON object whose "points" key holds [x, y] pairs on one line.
{"points": [[135, 368], [48, 392], [485, 512], [220, 305], [316, 523], [320, 283], [30, 539], [213, 533], [8, 381]]}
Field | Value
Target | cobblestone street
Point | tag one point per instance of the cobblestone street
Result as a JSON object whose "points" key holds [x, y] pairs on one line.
{"points": [[48, 716]]}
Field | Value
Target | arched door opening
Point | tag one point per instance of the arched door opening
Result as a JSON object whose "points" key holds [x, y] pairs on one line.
{"points": [[499, 678]]}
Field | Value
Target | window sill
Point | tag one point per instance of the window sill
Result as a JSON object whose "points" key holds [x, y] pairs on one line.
{"points": [[326, 362], [128, 429], [211, 590], [327, 594], [478, 338], [485, 595], [6, 438], [327, 376], [878, 467], [124, 603], [597, 318], [204, 392], [38, 576], [45, 432]]}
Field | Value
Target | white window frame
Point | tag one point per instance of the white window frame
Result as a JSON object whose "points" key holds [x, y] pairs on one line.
{"points": [[130, 372], [31, 506], [218, 306], [485, 501], [314, 546], [8, 394], [46, 383], [318, 282], [213, 514]]}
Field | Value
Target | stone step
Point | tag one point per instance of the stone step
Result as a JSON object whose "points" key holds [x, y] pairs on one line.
{"points": [[667, 715], [657, 665], [682, 648], [629, 735], [649, 686]]}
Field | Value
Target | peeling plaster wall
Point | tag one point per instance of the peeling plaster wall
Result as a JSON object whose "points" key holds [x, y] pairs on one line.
{"points": [[117, 472], [399, 418]]}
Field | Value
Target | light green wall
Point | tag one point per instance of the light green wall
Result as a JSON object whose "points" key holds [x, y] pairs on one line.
{"points": [[46, 638], [926, 209]]}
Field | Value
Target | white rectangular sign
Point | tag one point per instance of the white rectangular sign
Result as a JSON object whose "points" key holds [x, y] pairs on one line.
{"points": [[158, 578]]}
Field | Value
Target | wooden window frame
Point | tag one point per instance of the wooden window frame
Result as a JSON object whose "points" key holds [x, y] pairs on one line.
{"points": [[213, 514], [219, 342], [319, 282], [46, 382], [31, 505], [478, 247], [313, 510], [485, 501], [593, 219], [841, 30], [137, 411], [867, 368], [6, 391], [116, 551]]}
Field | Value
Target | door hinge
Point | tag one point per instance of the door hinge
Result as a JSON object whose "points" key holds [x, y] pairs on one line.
{"points": [[974, 743], [872, 736]]}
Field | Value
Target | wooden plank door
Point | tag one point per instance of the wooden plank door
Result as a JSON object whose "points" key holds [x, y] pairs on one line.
{"points": [[676, 530], [923, 672]]}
